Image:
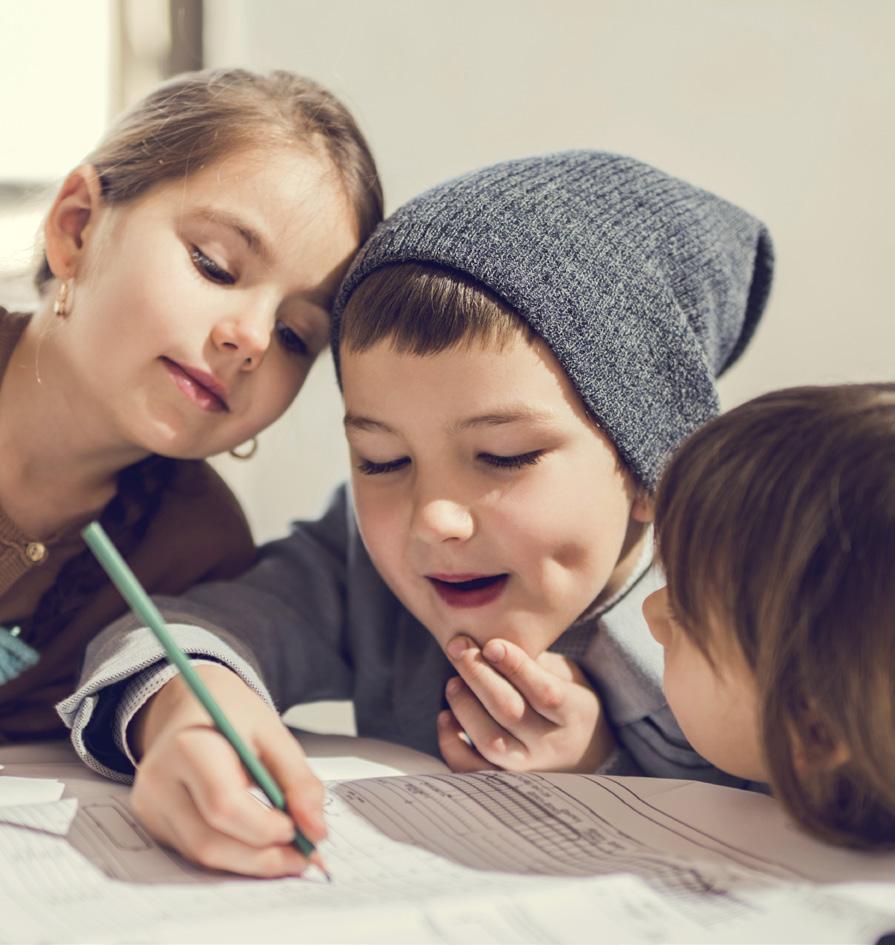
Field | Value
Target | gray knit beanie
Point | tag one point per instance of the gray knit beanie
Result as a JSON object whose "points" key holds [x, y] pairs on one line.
{"points": [[644, 287]]}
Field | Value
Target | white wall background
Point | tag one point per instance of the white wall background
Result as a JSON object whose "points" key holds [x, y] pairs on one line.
{"points": [[783, 107]]}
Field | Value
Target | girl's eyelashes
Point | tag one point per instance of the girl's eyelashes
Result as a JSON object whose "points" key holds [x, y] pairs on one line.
{"points": [[369, 468], [209, 268], [291, 340], [512, 462]]}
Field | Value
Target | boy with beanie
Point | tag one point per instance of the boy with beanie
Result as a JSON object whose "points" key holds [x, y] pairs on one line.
{"points": [[519, 349]]}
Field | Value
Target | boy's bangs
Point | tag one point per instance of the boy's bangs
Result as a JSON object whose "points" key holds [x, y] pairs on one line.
{"points": [[425, 309]]}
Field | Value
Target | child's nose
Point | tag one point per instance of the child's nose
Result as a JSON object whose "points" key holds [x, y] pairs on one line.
{"points": [[437, 520], [246, 336]]}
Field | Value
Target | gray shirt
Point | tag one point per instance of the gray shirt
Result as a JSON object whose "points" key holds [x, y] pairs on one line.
{"points": [[313, 620]]}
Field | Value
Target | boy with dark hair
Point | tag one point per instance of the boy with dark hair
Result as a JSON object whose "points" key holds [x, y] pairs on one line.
{"points": [[519, 350]]}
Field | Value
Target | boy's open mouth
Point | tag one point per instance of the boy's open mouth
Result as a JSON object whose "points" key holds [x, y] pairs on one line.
{"points": [[468, 591]]}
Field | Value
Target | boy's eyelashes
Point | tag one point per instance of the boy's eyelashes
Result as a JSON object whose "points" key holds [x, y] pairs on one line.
{"points": [[370, 468], [512, 462]]}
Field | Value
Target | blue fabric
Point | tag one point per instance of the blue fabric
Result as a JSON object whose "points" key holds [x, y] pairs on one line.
{"points": [[15, 655]]}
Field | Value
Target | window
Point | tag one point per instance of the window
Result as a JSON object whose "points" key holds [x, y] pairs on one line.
{"points": [[56, 70]]}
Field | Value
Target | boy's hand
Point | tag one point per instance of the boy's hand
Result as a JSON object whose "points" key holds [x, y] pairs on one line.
{"points": [[192, 792], [520, 714]]}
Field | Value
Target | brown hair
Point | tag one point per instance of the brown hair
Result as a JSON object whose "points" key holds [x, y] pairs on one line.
{"points": [[198, 117], [776, 525], [422, 308]]}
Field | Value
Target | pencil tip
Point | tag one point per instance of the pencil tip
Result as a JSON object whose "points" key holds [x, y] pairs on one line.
{"points": [[317, 860]]}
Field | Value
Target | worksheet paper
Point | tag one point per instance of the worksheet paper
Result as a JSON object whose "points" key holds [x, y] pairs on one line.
{"points": [[16, 791], [35, 803], [491, 857]]}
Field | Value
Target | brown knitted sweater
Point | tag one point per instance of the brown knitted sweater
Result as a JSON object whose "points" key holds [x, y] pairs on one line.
{"points": [[177, 524]]}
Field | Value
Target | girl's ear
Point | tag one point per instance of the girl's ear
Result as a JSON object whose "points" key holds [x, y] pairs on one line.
{"points": [[71, 220]]}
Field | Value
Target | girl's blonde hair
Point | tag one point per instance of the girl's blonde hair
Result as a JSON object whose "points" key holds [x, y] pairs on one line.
{"points": [[199, 117], [776, 527]]}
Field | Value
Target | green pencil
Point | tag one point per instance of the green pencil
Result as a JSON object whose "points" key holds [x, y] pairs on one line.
{"points": [[140, 602]]}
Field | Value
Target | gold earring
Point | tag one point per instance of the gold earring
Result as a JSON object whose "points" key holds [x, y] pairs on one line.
{"points": [[62, 305], [246, 450]]}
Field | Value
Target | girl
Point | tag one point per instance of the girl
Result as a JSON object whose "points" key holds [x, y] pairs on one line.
{"points": [[190, 264], [776, 526]]}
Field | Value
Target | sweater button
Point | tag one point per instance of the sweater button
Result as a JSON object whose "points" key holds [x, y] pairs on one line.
{"points": [[35, 552]]}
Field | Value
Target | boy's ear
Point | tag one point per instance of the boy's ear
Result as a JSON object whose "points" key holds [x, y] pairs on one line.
{"points": [[643, 508], [71, 220]]}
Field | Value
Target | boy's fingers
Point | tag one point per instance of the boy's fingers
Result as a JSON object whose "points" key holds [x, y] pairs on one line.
{"points": [[304, 802], [219, 788], [457, 754], [505, 703], [303, 790], [542, 689], [492, 741], [562, 667], [183, 828]]}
